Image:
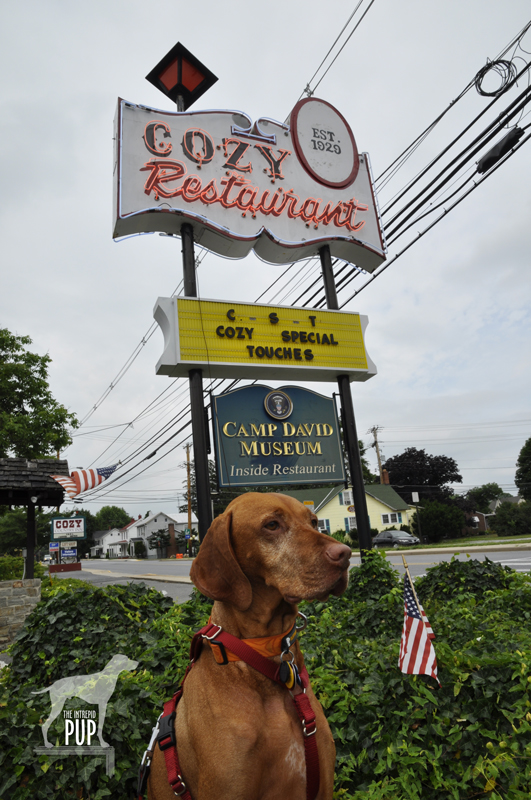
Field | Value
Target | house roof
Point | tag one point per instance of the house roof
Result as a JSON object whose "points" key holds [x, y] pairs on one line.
{"points": [[320, 496], [386, 495], [21, 479], [100, 534], [323, 495], [510, 498], [179, 518]]}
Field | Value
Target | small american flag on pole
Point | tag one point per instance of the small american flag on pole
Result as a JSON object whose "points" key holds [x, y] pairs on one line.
{"points": [[417, 654], [81, 480]]}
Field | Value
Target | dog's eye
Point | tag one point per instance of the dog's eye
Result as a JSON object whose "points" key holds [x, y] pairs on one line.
{"points": [[272, 526], [314, 523]]}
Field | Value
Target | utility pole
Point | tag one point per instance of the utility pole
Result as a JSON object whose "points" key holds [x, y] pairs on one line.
{"points": [[374, 430]]}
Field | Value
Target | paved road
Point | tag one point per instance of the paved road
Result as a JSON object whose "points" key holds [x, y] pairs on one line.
{"points": [[173, 576], [419, 562], [170, 577]]}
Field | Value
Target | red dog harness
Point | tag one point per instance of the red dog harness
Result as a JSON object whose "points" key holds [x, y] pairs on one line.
{"points": [[285, 674]]}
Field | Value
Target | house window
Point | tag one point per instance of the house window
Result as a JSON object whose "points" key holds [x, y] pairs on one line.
{"points": [[323, 525], [345, 498], [350, 524], [389, 519]]}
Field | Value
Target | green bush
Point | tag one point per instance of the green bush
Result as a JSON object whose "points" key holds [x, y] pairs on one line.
{"points": [[438, 521], [398, 737], [512, 519], [12, 568], [450, 578], [140, 549]]}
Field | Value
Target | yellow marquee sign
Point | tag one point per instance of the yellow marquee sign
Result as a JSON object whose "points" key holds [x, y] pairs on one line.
{"points": [[245, 340]]}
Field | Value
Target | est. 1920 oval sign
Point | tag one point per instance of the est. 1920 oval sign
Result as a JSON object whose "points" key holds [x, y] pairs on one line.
{"points": [[324, 143]]}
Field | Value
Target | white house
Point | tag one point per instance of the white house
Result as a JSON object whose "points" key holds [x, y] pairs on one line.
{"points": [[120, 542], [334, 507]]}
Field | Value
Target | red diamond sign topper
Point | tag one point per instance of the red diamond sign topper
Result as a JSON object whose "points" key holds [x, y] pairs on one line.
{"points": [[181, 74]]}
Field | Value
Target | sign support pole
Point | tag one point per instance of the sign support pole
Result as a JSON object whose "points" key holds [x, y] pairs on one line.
{"points": [[349, 423], [30, 540], [199, 432]]}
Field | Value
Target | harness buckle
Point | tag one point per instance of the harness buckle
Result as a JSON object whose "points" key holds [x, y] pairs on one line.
{"points": [[179, 782], [213, 636], [166, 734], [306, 728]]}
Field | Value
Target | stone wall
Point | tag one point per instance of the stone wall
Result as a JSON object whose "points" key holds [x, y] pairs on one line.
{"points": [[17, 600]]}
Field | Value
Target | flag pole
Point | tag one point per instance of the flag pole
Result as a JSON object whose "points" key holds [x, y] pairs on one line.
{"points": [[411, 582]]}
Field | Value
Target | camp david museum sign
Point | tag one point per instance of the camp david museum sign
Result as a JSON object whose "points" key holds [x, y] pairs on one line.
{"points": [[276, 436]]}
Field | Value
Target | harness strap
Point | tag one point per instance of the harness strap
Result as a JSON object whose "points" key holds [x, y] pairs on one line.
{"points": [[165, 736], [168, 745], [245, 653], [311, 755]]}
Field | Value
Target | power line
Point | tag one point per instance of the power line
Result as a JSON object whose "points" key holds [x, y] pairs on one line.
{"points": [[308, 90]]}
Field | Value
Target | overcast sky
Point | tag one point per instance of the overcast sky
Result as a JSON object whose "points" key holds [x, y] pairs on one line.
{"points": [[448, 322]]}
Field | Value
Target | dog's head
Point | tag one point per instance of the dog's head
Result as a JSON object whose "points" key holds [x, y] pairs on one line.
{"points": [[269, 539], [119, 662]]}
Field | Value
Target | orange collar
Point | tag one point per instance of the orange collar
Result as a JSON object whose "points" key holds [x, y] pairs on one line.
{"points": [[267, 646]]}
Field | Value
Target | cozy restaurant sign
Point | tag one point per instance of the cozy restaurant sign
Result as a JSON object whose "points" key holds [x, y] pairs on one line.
{"points": [[283, 190]]}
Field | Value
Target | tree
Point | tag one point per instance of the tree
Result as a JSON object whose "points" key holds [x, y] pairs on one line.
{"points": [[159, 541], [111, 517], [438, 521], [416, 471], [512, 519], [14, 529], [32, 423], [481, 496], [522, 476]]}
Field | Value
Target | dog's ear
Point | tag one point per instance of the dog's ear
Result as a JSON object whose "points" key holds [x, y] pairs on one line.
{"points": [[215, 571]]}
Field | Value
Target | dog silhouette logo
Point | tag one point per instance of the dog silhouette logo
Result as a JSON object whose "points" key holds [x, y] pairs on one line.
{"points": [[95, 689]]}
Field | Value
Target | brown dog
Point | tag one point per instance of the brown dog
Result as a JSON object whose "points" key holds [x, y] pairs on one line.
{"points": [[238, 735]]}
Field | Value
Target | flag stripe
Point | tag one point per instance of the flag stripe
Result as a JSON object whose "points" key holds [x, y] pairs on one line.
{"points": [[81, 480], [417, 654]]}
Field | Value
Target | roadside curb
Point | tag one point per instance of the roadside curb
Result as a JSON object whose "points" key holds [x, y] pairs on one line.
{"points": [[494, 548]]}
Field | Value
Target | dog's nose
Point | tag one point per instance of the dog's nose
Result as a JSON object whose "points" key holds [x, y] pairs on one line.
{"points": [[339, 554]]}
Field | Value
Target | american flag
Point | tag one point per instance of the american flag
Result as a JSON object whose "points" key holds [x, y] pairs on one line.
{"points": [[81, 480], [417, 654]]}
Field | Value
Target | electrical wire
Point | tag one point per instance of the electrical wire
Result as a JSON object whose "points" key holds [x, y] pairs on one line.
{"points": [[308, 91]]}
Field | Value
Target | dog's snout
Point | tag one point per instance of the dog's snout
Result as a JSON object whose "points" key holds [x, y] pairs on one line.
{"points": [[339, 554]]}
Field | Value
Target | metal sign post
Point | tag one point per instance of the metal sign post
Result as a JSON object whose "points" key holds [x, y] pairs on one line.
{"points": [[349, 423], [199, 431]]}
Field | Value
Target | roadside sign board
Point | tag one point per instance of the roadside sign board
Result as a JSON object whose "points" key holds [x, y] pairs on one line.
{"points": [[68, 528], [70, 553], [283, 190], [54, 546], [266, 436], [249, 340]]}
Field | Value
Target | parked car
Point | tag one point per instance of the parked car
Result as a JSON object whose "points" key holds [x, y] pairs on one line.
{"points": [[394, 539]]}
